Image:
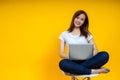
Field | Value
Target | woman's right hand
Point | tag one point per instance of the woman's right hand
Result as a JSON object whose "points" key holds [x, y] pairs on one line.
{"points": [[62, 54]]}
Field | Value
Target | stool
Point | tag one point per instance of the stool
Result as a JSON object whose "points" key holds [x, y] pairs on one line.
{"points": [[75, 77]]}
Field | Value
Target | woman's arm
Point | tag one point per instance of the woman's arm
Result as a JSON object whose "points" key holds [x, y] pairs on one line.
{"points": [[62, 54], [95, 48]]}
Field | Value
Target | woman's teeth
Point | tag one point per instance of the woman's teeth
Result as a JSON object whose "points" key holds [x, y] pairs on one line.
{"points": [[78, 23]]}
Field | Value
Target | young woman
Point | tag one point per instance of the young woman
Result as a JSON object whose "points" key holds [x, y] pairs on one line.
{"points": [[78, 33]]}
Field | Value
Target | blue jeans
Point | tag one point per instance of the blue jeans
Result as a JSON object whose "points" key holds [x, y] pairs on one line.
{"points": [[84, 66]]}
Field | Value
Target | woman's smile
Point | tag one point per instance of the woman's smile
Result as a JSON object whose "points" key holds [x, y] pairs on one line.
{"points": [[79, 20]]}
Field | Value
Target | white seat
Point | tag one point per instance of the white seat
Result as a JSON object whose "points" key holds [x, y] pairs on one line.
{"points": [[75, 77], [90, 75]]}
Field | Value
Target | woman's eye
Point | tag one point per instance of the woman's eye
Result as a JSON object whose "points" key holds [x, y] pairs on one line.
{"points": [[77, 17], [82, 19]]}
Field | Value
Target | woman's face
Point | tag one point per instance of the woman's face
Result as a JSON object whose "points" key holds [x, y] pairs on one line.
{"points": [[79, 20]]}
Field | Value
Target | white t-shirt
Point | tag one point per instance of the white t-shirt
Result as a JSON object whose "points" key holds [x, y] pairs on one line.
{"points": [[69, 38]]}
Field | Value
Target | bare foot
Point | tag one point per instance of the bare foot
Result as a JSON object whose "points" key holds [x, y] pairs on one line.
{"points": [[101, 70], [66, 73]]}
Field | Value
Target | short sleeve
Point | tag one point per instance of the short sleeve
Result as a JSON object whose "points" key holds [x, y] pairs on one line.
{"points": [[89, 37], [62, 36]]}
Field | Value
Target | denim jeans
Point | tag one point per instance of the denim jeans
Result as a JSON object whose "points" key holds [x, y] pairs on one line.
{"points": [[84, 66]]}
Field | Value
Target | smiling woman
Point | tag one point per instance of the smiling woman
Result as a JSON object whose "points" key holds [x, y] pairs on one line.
{"points": [[79, 26], [29, 29]]}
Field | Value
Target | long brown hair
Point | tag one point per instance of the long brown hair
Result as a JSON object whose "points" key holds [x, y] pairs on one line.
{"points": [[84, 28]]}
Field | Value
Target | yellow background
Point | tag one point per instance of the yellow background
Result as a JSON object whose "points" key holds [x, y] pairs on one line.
{"points": [[29, 31]]}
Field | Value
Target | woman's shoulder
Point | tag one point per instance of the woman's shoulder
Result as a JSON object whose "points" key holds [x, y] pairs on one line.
{"points": [[63, 35], [89, 34], [65, 32], [89, 37]]}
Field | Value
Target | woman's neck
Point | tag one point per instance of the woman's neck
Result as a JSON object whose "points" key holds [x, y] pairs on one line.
{"points": [[76, 31]]}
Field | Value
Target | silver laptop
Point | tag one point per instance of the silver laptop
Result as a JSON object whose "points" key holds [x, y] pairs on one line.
{"points": [[80, 51]]}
